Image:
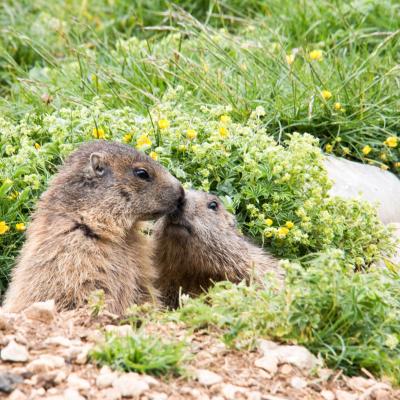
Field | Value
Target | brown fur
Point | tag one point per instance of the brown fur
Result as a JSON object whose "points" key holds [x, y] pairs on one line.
{"points": [[85, 236], [198, 246]]}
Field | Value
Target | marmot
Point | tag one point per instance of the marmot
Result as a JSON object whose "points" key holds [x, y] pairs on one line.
{"points": [[85, 236], [199, 244]]}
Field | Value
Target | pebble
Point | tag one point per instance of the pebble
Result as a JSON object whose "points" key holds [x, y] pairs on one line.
{"points": [[359, 383], [266, 346], [72, 394], [268, 363], [254, 396], [229, 391], [76, 382], [298, 383], [14, 352], [17, 395], [328, 395], [150, 380], [110, 394], [45, 363], [8, 381], [343, 395], [158, 396], [382, 394], [58, 341], [105, 380], [207, 378], [296, 355], [130, 384], [43, 311]]}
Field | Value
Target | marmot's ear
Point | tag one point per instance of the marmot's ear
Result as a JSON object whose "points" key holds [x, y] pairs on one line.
{"points": [[97, 164]]}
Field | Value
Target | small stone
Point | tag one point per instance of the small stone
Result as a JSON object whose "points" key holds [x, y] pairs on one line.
{"points": [[343, 395], [14, 352], [298, 356], [382, 394], [105, 380], [254, 396], [72, 394], [17, 395], [43, 311], [110, 394], [8, 382], [120, 330], [268, 363], [58, 341], [158, 396], [266, 346], [359, 383], [37, 393], [60, 377], [150, 380], [45, 363], [328, 395], [76, 382], [82, 357], [130, 384], [298, 383], [229, 391], [286, 369], [207, 378]]}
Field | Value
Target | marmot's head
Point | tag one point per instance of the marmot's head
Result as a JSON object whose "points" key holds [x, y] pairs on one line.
{"points": [[109, 179]]}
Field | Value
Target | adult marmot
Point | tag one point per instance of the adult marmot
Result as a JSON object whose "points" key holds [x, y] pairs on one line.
{"points": [[85, 233], [199, 244]]}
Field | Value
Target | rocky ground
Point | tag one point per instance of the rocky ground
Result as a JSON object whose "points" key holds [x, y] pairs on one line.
{"points": [[44, 354]]}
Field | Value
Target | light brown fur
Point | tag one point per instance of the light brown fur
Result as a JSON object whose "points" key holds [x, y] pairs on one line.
{"points": [[85, 236], [197, 246]]}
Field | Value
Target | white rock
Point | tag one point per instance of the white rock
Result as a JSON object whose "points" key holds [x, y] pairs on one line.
{"points": [[328, 395], [130, 384], [158, 396], [82, 357], [17, 395], [207, 378], [105, 370], [266, 346], [229, 391], [359, 383], [298, 383], [110, 394], [254, 396], [150, 380], [14, 352], [43, 311], [45, 363], [296, 355], [76, 382], [343, 395], [268, 363], [72, 394], [105, 380], [120, 330], [60, 377], [58, 341]]}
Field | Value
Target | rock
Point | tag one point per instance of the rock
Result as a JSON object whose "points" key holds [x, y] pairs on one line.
{"points": [[35, 393], [120, 330], [8, 382], [150, 380], [286, 369], [130, 385], [77, 354], [43, 311], [266, 346], [158, 396], [359, 383], [343, 395], [14, 352], [382, 394], [254, 396], [298, 356], [105, 380], [328, 395], [72, 394], [110, 394], [207, 378], [298, 383], [17, 395], [82, 357], [229, 391], [45, 363], [60, 377], [3, 322], [76, 382], [268, 363], [58, 341]]}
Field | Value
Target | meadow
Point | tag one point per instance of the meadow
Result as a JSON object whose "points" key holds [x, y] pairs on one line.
{"points": [[240, 98]]}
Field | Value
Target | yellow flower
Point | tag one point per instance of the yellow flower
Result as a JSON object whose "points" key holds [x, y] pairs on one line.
{"points": [[191, 134], [37, 146], [3, 227], [225, 119], [337, 106], [326, 94], [366, 150], [290, 58], [182, 147], [153, 155], [346, 150], [328, 148], [143, 140], [223, 132], [163, 124], [391, 141], [383, 156], [127, 138], [98, 133], [20, 227], [269, 222], [13, 196], [289, 224], [397, 164], [283, 231], [316, 55]]}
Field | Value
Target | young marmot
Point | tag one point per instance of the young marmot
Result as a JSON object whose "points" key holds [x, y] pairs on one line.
{"points": [[85, 236], [199, 244]]}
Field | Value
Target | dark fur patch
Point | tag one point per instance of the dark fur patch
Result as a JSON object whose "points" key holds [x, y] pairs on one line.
{"points": [[86, 230], [125, 194]]}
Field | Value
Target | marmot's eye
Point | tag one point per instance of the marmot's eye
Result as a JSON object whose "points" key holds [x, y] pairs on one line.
{"points": [[213, 205], [141, 173]]}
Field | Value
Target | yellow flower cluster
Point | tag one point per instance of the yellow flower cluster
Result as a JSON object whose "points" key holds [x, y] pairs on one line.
{"points": [[142, 141], [391, 141], [191, 134], [326, 94], [4, 228], [316, 55], [127, 138], [98, 133], [366, 150], [163, 124]]}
